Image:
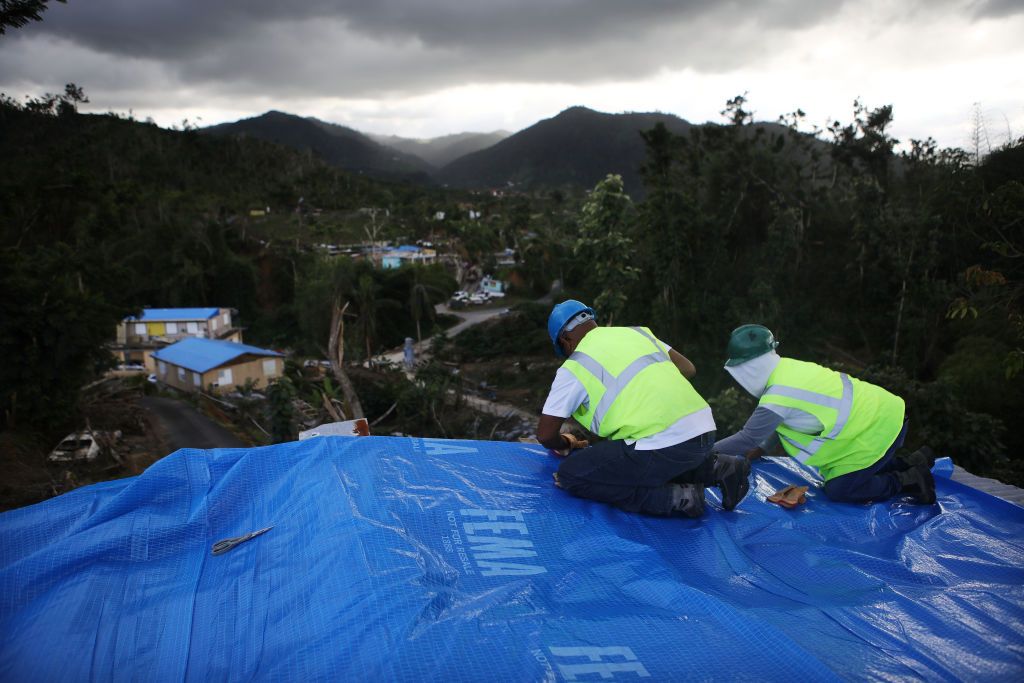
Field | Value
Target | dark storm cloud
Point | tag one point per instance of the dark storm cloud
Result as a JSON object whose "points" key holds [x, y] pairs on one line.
{"points": [[357, 48], [995, 9], [168, 28]]}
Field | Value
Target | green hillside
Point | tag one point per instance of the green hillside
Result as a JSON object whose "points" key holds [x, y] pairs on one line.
{"points": [[337, 145], [101, 215], [903, 267], [577, 147]]}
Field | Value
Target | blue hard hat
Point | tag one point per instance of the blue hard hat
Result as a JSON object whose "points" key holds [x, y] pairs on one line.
{"points": [[560, 315]]}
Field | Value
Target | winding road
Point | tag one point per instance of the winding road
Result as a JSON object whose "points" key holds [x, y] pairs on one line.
{"points": [[469, 317], [182, 426]]}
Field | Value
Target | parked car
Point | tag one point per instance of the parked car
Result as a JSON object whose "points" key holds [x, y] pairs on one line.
{"points": [[151, 379], [76, 446], [84, 445], [131, 366]]}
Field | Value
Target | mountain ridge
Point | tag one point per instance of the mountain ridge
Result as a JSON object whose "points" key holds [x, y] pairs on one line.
{"points": [[338, 145], [441, 150], [578, 146]]}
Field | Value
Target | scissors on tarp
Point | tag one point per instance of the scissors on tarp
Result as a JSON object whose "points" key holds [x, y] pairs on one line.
{"points": [[221, 547]]}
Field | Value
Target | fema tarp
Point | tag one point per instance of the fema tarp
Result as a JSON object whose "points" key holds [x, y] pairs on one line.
{"points": [[427, 560]]}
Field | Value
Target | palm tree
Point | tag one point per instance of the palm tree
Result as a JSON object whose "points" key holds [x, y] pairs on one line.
{"points": [[421, 296], [370, 308]]}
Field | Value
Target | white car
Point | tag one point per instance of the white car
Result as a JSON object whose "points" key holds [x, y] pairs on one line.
{"points": [[130, 366], [82, 445], [76, 446]]}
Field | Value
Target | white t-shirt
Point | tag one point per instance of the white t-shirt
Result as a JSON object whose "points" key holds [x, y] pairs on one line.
{"points": [[568, 393]]}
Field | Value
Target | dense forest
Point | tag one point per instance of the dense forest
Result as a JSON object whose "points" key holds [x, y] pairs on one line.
{"points": [[904, 267], [902, 264]]}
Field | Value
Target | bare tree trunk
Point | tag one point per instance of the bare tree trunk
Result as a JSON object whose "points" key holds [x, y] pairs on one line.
{"points": [[331, 409], [336, 351], [899, 322], [899, 308]]}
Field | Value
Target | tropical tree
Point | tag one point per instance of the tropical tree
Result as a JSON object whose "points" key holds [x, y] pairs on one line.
{"points": [[371, 307], [422, 297], [280, 396], [18, 13], [604, 244]]}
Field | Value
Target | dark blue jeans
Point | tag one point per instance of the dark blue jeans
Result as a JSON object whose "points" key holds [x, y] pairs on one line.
{"points": [[877, 482], [637, 481]]}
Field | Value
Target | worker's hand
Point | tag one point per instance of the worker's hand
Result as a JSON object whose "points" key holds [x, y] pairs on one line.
{"points": [[572, 443], [754, 453]]}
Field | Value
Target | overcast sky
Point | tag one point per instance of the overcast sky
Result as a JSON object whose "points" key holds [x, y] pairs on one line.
{"points": [[422, 68]]}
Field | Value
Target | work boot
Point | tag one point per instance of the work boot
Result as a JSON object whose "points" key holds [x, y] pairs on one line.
{"points": [[732, 477], [918, 483], [688, 499], [922, 457]]}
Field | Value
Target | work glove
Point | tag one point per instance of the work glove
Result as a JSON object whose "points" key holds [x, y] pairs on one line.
{"points": [[789, 497], [572, 443]]}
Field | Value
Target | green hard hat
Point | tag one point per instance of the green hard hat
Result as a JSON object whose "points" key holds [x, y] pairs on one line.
{"points": [[748, 342]]}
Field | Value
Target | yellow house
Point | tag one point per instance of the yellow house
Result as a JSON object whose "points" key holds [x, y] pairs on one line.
{"points": [[138, 337], [193, 364]]}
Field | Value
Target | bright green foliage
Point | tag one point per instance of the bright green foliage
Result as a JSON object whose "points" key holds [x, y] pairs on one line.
{"points": [[604, 245]]}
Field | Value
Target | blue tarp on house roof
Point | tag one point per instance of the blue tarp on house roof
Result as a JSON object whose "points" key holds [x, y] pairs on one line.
{"points": [[408, 247], [173, 314], [200, 355], [429, 560]]}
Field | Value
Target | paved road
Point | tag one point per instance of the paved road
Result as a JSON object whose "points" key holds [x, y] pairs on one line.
{"points": [[182, 426], [469, 318]]}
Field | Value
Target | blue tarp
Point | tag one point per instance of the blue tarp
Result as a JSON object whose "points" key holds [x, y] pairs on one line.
{"points": [[418, 559]]}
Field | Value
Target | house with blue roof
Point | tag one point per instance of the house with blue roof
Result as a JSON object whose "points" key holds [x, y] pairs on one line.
{"points": [[138, 336], [407, 253], [195, 363]]}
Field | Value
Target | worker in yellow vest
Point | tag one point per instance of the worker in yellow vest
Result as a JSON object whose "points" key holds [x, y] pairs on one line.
{"points": [[633, 390], [848, 429]]}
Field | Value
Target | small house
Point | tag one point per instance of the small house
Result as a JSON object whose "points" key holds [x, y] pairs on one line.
{"points": [[193, 364], [408, 253], [138, 337], [492, 286]]}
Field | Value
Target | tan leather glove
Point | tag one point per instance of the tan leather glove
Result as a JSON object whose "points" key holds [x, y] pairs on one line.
{"points": [[572, 443], [789, 497]]}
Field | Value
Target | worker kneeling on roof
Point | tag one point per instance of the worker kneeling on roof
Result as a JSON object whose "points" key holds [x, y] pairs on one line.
{"points": [[848, 429], [625, 385]]}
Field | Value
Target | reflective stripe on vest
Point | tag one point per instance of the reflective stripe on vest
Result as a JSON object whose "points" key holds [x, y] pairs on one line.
{"points": [[841, 405], [614, 385]]}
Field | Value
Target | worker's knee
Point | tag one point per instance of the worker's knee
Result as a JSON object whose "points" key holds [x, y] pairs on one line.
{"points": [[844, 489], [836, 491]]}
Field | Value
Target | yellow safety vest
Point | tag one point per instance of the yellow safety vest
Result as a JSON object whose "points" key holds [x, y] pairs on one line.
{"points": [[633, 388], [859, 420]]}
